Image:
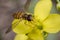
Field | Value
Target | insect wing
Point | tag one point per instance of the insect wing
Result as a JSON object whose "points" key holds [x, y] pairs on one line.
{"points": [[16, 23]]}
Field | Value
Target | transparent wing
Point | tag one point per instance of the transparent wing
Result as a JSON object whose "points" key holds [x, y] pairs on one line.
{"points": [[15, 24]]}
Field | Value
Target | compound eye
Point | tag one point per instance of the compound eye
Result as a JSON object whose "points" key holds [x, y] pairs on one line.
{"points": [[29, 18]]}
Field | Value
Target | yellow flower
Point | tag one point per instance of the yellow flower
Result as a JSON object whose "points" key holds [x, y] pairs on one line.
{"points": [[50, 22], [21, 37], [36, 34], [42, 9], [21, 26]]}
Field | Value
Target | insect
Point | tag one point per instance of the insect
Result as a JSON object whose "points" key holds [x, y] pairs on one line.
{"points": [[23, 15], [20, 15]]}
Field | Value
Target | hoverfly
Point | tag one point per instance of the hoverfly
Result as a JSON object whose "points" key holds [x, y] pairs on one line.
{"points": [[20, 15]]}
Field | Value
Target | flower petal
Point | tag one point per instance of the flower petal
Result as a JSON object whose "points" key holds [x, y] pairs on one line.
{"points": [[36, 34], [21, 37], [15, 21], [52, 23], [22, 27], [42, 9]]}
